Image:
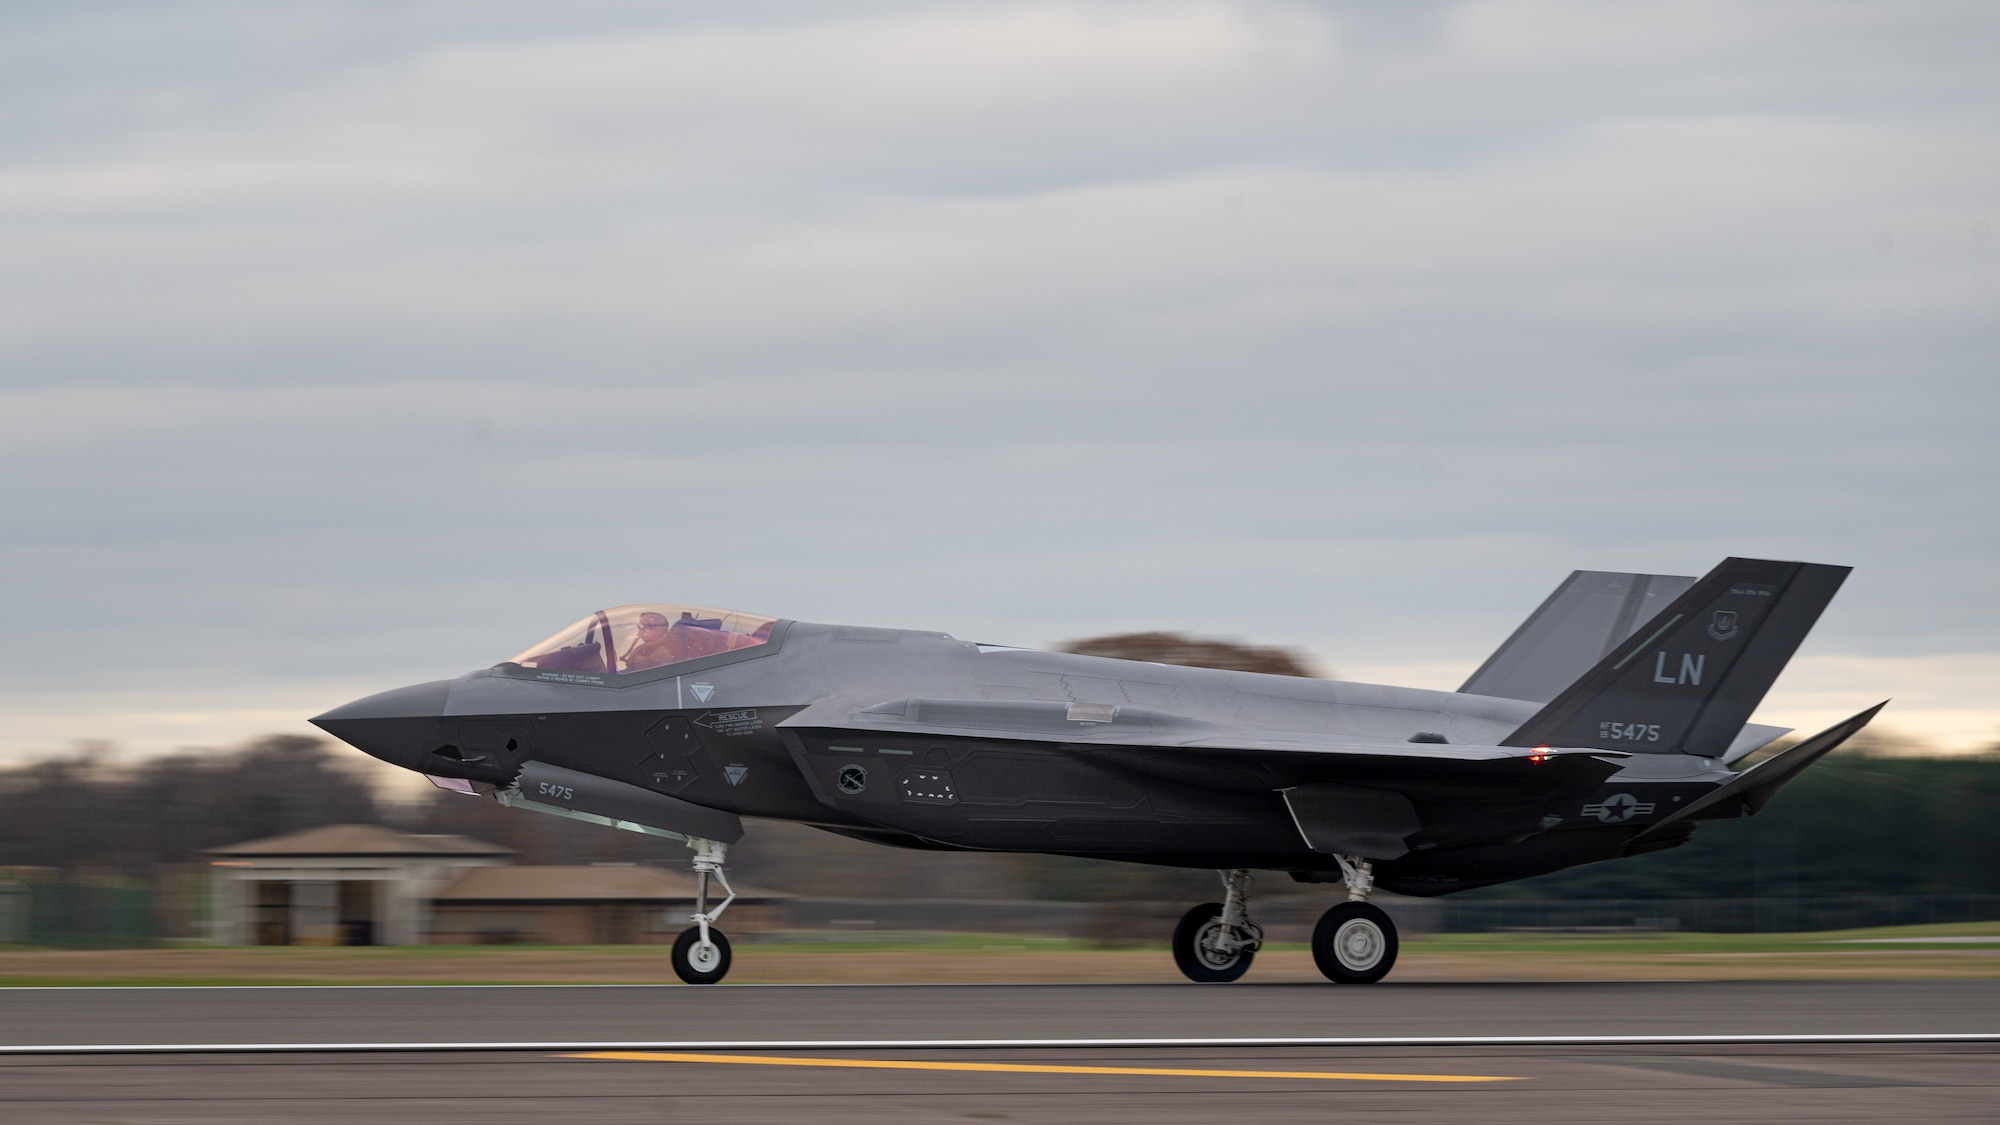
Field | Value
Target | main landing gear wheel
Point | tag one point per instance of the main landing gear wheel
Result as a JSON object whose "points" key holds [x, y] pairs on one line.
{"points": [[1355, 943], [1199, 950], [1216, 941], [701, 962]]}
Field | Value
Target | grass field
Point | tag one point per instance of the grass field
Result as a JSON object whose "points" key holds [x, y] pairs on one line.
{"points": [[1960, 950]]}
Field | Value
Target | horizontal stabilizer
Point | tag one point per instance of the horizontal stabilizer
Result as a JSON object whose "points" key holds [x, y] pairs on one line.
{"points": [[1686, 681], [1752, 738], [1586, 616], [1753, 788]]}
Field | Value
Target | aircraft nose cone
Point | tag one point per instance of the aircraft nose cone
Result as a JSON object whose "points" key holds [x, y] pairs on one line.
{"points": [[400, 727], [414, 702]]}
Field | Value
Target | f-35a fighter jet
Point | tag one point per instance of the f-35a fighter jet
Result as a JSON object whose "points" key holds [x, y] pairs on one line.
{"points": [[1606, 726]]}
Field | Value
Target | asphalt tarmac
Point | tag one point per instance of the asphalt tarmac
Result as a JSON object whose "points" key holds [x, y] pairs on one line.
{"points": [[1664, 1080], [615, 1014]]}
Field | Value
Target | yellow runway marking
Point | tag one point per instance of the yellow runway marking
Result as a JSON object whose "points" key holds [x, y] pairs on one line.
{"points": [[1027, 1068]]}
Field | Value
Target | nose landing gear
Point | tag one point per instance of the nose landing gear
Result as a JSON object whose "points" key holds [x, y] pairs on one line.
{"points": [[701, 953], [1216, 941], [1355, 942]]}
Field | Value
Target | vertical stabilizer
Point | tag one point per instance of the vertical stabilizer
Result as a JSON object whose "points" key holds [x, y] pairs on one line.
{"points": [[1588, 614], [1687, 680]]}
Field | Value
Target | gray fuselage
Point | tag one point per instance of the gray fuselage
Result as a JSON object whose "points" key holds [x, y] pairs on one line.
{"points": [[921, 740]]}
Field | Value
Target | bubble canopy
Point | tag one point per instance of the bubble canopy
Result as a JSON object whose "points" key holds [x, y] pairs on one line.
{"points": [[639, 638]]}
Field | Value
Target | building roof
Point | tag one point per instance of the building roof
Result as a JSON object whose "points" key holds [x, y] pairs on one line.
{"points": [[581, 884], [361, 840]]}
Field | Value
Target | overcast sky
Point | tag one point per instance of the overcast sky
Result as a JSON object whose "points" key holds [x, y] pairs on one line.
{"points": [[348, 345]]}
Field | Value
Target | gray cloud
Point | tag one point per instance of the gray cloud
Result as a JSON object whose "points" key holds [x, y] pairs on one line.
{"points": [[348, 341]]}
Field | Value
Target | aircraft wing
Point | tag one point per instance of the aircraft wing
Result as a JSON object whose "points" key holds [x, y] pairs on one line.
{"points": [[1104, 725], [1345, 793]]}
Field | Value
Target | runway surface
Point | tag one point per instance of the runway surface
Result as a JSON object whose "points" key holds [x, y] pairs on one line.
{"points": [[1763, 1085], [610, 1014], [1553, 1082]]}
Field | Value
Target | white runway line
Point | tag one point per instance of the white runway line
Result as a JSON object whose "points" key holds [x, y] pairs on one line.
{"points": [[998, 1044]]}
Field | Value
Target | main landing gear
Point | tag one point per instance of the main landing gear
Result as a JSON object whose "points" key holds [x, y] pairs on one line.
{"points": [[1216, 941], [1354, 943], [701, 953]]}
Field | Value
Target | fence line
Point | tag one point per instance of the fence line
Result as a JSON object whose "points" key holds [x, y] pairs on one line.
{"points": [[74, 915], [1291, 917], [97, 916], [1718, 915]]}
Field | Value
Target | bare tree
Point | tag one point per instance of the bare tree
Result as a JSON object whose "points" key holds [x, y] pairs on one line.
{"points": [[1195, 652], [78, 812]]}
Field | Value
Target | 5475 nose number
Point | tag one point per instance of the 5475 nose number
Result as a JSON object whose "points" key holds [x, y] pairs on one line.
{"points": [[1629, 732]]}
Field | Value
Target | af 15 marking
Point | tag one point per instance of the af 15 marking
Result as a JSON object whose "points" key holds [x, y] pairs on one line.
{"points": [[1629, 732]]}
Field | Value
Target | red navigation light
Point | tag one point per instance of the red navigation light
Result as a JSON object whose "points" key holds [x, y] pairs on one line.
{"points": [[1539, 755]]}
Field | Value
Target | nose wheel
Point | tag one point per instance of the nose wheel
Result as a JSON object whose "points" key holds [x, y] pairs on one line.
{"points": [[701, 953], [698, 959]]}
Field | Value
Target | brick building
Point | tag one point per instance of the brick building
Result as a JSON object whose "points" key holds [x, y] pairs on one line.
{"points": [[362, 884]]}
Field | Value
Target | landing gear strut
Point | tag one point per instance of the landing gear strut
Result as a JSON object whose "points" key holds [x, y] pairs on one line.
{"points": [[1355, 942], [1216, 941], [701, 953]]}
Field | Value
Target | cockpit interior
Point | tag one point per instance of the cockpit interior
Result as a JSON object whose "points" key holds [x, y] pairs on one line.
{"points": [[636, 638]]}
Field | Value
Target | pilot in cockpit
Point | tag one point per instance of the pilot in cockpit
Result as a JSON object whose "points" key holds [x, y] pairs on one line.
{"points": [[656, 644]]}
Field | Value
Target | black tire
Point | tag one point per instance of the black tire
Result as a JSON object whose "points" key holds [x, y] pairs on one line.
{"points": [[714, 964], [1198, 965], [1355, 943]]}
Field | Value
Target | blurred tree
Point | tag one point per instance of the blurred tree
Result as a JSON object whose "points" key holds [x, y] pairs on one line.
{"points": [[1855, 823], [1195, 652], [1870, 821], [80, 812]]}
